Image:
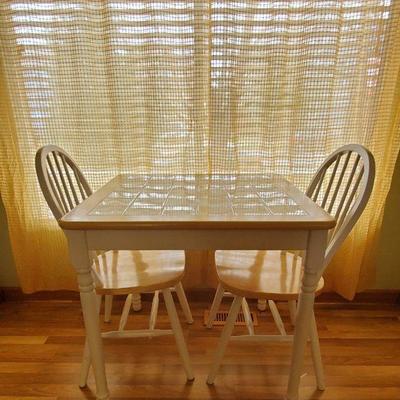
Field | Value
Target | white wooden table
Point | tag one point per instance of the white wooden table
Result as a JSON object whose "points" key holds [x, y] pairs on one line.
{"points": [[144, 212]]}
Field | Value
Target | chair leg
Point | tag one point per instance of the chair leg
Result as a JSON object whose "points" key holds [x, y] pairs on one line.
{"points": [[224, 339], [136, 302], [125, 312], [277, 317], [184, 303], [108, 300], [219, 294], [86, 360], [261, 304], [316, 354], [292, 311], [247, 316], [85, 366], [179, 338], [154, 310]]}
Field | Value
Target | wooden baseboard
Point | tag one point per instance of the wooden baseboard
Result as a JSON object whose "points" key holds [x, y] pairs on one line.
{"points": [[382, 296], [16, 294]]}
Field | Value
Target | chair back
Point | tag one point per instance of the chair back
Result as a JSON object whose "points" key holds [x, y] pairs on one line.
{"points": [[342, 187], [62, 182]]}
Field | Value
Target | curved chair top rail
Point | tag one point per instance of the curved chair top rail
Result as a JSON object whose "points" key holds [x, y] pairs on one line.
{"points": [[342, 186], [62, 182]]}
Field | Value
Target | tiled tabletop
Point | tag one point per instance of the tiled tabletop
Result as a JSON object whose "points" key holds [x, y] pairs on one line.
{"points": [[204, 201]]}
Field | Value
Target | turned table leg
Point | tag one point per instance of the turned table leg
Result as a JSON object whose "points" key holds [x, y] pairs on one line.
{"points": [[312, 271], [80, 259]]}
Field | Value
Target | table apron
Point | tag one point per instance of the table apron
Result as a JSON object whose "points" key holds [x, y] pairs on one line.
{"points": [[257, 239]]}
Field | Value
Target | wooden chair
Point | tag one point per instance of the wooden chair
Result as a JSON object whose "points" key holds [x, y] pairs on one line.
{"points": [[342, 187], [116, 272]]}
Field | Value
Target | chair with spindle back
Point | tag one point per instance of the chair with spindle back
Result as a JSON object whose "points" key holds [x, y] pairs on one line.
{"points": [[116, 272], [342, 187]]}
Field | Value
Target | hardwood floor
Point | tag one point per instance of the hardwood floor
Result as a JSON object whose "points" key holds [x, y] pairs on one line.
{"points": [[41, 346]]}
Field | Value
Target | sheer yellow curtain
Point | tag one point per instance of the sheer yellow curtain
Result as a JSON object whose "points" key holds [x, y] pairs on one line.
{"points": [[202, 86]]}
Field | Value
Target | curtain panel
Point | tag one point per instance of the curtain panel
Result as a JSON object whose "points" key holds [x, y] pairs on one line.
{"points": [[194, 87]]}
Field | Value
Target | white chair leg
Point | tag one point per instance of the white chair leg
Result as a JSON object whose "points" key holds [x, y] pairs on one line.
{"points": [[261, 304], [154, 310], [108, 300], [86, 360], [277, 317], [292, 311], [136, 302], [125, 312], [184, 303], [179, 338], [247, 316], [219, 294], [85, 366], [316, 354], [224, 339]]}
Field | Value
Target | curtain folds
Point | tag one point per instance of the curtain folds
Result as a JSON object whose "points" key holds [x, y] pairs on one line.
{"points": [[194, 87]]}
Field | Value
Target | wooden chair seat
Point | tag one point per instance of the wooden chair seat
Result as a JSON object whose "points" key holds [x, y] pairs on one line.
{"points": [[125, 272], [273, 275]]}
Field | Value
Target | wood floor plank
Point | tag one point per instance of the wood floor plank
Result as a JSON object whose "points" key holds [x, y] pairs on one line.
{"points": [[23, 339], [27, 398]]}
